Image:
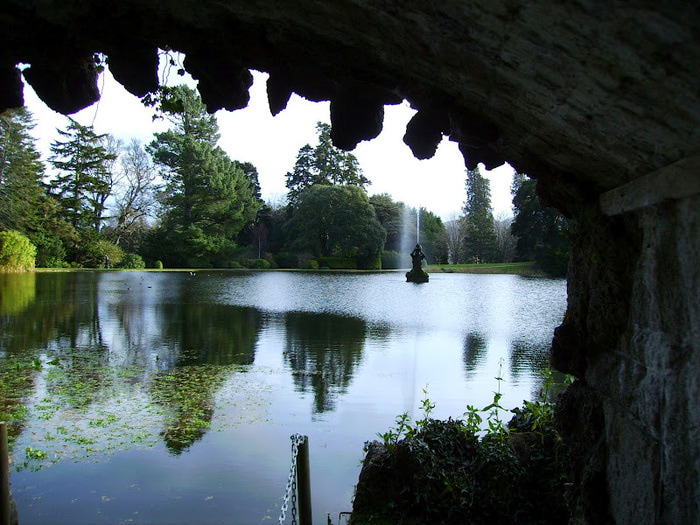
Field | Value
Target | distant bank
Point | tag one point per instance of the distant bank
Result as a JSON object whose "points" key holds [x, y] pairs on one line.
{"points": [[519, 268]]}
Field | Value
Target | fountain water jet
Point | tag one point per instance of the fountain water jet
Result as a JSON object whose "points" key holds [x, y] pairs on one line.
{"points": [[406, 244], [416, 274]]}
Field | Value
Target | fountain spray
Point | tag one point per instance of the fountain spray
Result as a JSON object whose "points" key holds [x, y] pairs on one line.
{"points": [[418, 225]]}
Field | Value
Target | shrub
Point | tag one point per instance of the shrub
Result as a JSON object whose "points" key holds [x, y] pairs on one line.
{"points": [[435, 471], [257, 264], [287, 260], [312, 264], [17, 253], [158, 265], [132, 261], [96, 251], [50, 251], [392, 260], [338, 263], [370, 262]]}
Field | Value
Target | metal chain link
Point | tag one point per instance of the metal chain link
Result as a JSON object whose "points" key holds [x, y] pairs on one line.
{"points": [[291, 489]]}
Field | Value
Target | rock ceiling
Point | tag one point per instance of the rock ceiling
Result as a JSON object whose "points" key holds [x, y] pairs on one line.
{"points": [[584, 95]]}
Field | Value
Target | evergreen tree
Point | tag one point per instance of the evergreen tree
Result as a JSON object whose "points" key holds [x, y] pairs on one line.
{"points": [[389, 215], [21, 173], [255, 233], [84, 180], [433, 238], [541, 231], [24, 203], [325, 164], [336, 220], [479, 235], [208, 198]]}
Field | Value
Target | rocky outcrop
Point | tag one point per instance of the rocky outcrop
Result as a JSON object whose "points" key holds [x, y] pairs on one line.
{"points": [[586, 97]]}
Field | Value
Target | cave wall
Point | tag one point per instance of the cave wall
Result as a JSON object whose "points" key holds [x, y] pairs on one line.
{"points": [[649, 382], [632, 336], [587, 97]]}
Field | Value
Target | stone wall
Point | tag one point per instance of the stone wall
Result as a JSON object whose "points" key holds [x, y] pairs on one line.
{"points": [[650, 382], [585, 96], [632, 335]]}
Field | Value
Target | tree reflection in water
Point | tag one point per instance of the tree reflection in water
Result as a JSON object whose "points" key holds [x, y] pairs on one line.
{"points": [[206, 334], [323, 350], [474, 351]]}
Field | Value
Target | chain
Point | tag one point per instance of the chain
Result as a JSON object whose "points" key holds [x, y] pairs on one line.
{"points": [[291, 489]]}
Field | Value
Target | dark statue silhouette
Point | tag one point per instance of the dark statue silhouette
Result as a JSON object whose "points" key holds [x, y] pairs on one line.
{"points": [[416, 274]]}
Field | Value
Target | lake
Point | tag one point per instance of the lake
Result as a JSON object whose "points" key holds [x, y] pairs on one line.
{"points": [[170, 397]]}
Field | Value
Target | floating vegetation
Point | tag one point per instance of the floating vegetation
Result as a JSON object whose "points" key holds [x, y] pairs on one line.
{"points": [[188, 394], [16, 382], [76, 405]]}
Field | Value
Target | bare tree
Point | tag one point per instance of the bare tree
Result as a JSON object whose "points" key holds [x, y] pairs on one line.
{"points": [[135, 195], [505, 241], [453, 229]]}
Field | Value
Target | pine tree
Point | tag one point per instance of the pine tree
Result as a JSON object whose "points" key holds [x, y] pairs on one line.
{"points": [[84, 180], [479, 235], [541, 231], [325, 165], [208, 198], [21, 173]]}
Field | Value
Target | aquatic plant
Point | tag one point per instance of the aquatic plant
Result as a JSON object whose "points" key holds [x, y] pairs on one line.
{"points": [[471, 470]]}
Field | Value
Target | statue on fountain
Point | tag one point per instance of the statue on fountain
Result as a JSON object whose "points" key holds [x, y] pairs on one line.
{"points": [[416, 274]]}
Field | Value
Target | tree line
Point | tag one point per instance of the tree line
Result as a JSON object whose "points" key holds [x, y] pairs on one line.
{"points": [[181, 201], [535, 232]]}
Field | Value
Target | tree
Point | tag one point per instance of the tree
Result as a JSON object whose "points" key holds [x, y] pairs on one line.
{"points": [[479, 236], [255, 233], [389, 215], [25, 205], [505, 241], [453, 232], [21, 173], [208, 198], [84, 181], [433, 238], [337, 220], [541, 231], [325, 164], [134, 195]]}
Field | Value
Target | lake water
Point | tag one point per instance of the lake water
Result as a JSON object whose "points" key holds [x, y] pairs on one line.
{"points": [[170, 397]]}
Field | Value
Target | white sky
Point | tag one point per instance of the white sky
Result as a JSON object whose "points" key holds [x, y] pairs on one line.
{"points": [[271, 144]]}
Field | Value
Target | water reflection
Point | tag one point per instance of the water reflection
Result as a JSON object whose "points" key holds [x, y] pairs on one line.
{"points": [[32, 307], [323, 350], [228, 364], [18, 292], [213, 334], [474, 351], [527, 357]]}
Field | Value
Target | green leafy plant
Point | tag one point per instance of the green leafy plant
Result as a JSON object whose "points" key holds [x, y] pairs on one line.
{"points": [[256, 264], [404, 428], [132, 261], [434, 471], [495, 424], [35, 453], [17, 253]]}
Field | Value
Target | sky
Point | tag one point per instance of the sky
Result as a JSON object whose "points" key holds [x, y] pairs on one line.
{"points": [[271, 144]]}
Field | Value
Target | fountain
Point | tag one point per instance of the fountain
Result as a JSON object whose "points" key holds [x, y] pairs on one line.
{"points": [[416, 274], [407, 237]]}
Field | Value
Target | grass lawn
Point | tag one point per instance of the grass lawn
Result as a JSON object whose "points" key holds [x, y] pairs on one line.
{"points": [[519, 268]]}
